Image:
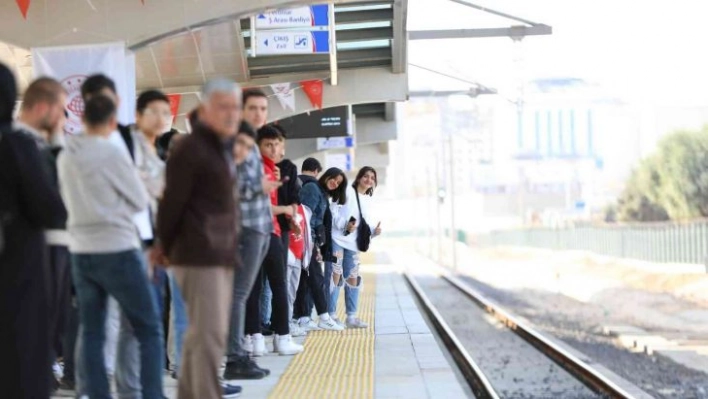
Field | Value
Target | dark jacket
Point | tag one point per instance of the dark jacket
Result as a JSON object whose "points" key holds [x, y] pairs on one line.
{"points": [[29, 204], [198, 217], [127, 136], [48, 155], [314, 197], [29, 201], [289, 192]]}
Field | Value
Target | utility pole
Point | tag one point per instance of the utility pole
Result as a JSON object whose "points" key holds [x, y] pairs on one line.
{"points": [[453, 230]]}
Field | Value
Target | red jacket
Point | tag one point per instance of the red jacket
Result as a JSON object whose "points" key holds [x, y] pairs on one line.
{"points": [[269, 170], [297, 243]]}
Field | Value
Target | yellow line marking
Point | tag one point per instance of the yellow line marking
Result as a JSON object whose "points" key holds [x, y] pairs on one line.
{"points": [[335, 364]]}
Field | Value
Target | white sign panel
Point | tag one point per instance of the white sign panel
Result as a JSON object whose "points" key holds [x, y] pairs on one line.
{"points": [[298, 17], [292, 42], [334, 142], [341, 161]]}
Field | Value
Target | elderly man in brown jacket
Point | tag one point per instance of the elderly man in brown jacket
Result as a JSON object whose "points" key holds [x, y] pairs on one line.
{"points": [[197, 228]]}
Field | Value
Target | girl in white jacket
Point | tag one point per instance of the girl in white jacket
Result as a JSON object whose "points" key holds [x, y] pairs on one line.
{"points": [[345, 222]]}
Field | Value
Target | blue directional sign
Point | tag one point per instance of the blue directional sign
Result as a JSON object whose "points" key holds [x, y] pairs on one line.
{"points": [[298, 17], [334, 142], [292, 42]]}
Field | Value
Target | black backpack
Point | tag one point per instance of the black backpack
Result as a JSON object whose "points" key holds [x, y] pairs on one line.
{"points": [[363, 232]]}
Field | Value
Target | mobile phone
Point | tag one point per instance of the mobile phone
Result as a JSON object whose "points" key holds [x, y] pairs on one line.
{"points": [[285, 179], [351, 220]]}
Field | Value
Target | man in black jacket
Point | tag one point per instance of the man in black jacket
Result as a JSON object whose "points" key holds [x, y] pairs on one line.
{"points": [[29, 204], [42, 118], [288, 194]]}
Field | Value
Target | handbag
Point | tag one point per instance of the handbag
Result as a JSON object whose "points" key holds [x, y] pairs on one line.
{"points": [[363, 232]]}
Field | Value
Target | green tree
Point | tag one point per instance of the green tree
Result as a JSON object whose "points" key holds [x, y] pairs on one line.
{"points": [[639, 200], [672, 183], [682, 168]]}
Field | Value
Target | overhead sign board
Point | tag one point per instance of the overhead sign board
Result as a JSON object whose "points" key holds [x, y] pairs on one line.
{"points": [[328, 122], [298, 17], [292, 42], [334, 142]]}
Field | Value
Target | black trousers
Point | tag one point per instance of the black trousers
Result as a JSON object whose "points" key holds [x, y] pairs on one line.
{"points": [[59, 285], [71, 332], [274, 269], [25, 341], [312, 290], [285, 239]]}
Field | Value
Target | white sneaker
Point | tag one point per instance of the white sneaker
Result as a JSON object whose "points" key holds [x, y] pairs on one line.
{"points": [[259, 346], [296, 330], [330, 325], [247, 344], [58, 371], [355, 322], [308, 325], [336, 320], [285, 346]]}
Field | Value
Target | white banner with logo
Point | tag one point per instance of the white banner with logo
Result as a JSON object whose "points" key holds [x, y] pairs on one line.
{"points": [[71, 65], [285, 94]]}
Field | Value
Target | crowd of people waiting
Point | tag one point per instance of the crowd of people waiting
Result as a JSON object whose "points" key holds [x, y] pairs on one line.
{"points": [[127, 252]]}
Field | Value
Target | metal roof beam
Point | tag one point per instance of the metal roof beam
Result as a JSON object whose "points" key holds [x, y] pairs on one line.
{"points": [[494, 12], [240, 49], [399, 53], [512, 32], [332, 48], [472, 92]]}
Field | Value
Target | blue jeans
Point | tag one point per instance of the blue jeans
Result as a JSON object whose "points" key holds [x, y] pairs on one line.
{"points": [[349, 271], [122, 276], [178, 323]]}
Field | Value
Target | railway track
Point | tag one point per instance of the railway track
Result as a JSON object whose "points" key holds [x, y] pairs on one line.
{"points": [[499, 355]]}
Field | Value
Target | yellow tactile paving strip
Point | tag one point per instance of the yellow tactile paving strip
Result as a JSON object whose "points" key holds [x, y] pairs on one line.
{"points": [[335, 364]]}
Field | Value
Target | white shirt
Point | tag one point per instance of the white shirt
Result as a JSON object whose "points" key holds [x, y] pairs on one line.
{"points": [[342, 213]]}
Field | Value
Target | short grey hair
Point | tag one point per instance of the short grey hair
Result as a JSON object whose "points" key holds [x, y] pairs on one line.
{"points": [[220, 85]]}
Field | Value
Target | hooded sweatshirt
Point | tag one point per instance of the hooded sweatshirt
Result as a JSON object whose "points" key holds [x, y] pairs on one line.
{"points": [[102, 191]]}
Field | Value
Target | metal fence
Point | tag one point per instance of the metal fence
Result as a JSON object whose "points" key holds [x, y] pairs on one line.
{"points": [[653, 242]]}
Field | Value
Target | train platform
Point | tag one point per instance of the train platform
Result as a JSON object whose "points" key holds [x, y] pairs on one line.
{"points": [[398, 356]]}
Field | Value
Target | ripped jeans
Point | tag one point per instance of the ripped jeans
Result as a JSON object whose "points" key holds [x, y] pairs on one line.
{"points": [[347, 276]]}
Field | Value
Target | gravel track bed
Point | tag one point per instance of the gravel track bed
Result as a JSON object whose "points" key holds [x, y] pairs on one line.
{"points": [[579, 325], [513, 367]]}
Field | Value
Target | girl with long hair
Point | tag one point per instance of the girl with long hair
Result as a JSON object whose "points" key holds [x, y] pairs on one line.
{"points": [[316, 195], [347, 220]]}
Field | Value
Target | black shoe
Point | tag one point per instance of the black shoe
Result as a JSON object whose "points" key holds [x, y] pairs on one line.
{"points": [[244, 369], [251, 361], [266, 330], [230, 391]]}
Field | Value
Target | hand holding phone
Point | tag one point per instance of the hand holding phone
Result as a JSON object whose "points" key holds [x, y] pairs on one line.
{"points": [[351, 226]]}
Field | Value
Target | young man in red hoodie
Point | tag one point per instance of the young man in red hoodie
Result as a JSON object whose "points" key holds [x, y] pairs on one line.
{"points": [[269, 142]]}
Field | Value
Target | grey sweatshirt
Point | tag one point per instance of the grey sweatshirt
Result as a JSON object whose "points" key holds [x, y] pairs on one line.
{"points": [[102, 191]]}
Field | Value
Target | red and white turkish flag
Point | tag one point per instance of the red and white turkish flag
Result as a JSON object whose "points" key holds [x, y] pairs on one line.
{"points": [[175, 99], [314, 90], [24, 7]]}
